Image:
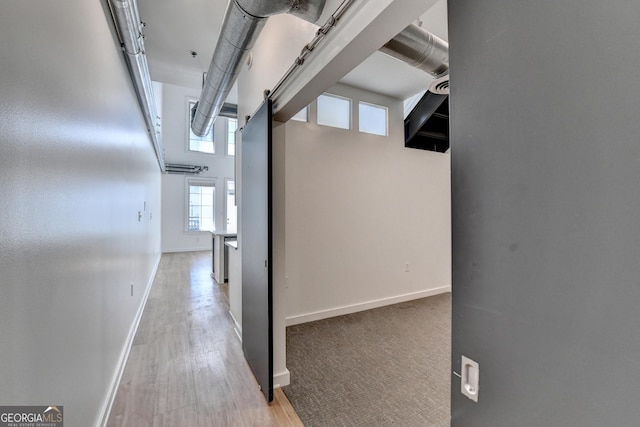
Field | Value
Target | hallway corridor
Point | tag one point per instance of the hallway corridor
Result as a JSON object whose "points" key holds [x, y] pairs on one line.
{"points": [[186, 366]]}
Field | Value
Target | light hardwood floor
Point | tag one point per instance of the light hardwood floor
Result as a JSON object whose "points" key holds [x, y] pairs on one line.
{"points": [[186, 367]]}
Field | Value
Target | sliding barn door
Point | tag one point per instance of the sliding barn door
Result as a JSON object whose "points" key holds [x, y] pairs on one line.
{"points": [[257, 323]]}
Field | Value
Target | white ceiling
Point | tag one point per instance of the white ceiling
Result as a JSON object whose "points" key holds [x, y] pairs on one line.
{"points": [[174, 29]]}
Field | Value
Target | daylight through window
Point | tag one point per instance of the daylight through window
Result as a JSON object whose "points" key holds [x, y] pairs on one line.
{"points": [[302, 116], [334, 111], [201, 207], [372, 118], [232, 127], [230, 206], [202, 144]]}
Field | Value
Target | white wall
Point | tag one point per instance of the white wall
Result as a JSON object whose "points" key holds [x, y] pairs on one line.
{"points": [[174, 198], [76, 167], [281, 373], [279, 44], [358, 208]]}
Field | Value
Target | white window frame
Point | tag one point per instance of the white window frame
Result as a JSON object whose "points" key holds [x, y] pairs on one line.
{"points": [[191, 101], [226, 206], [226, 142], [330, 95], [202, 182], [295, 117], [386, 118]]}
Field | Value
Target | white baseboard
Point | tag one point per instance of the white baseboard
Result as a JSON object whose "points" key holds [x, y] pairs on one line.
{"points": [[115, 382], [281, 379], [367, 305], [191, 249], [236, 327]]}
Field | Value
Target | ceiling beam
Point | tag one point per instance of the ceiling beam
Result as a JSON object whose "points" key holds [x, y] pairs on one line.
{"points": [[361, 31]]}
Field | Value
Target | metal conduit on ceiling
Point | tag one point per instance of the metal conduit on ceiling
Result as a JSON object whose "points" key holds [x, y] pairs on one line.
{"points": [[243, 22], [421, 49], [176, 168], [129, 26]]}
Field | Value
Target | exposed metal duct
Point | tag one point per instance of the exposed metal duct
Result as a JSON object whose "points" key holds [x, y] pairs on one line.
{"points": [[243, 22], [309, 47], [421, 49], [129, 26], [413, 45], [176, 168]]}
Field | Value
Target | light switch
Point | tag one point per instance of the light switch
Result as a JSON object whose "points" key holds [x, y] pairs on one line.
{"points": [[470, 381]]}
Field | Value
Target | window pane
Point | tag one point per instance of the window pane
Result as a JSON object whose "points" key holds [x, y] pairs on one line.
{"points": [[203, 144], [334, 111], [232, 209], [232, 126], [201, 208], [373, 119], [302, 116]]}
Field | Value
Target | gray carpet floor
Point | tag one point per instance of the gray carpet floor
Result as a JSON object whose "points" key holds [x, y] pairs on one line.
{"points": [[388, 366]]}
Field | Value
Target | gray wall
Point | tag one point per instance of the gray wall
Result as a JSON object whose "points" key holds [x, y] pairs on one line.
{"points": [[546, 211], [76, 166]]}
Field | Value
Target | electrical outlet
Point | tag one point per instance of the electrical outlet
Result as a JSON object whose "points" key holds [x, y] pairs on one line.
{"points": [[406, 267]]}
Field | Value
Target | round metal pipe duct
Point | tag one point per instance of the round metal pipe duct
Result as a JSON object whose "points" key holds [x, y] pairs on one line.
{"points": [[243, 22], [126, 18], [421, 49], [125, 15]]}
